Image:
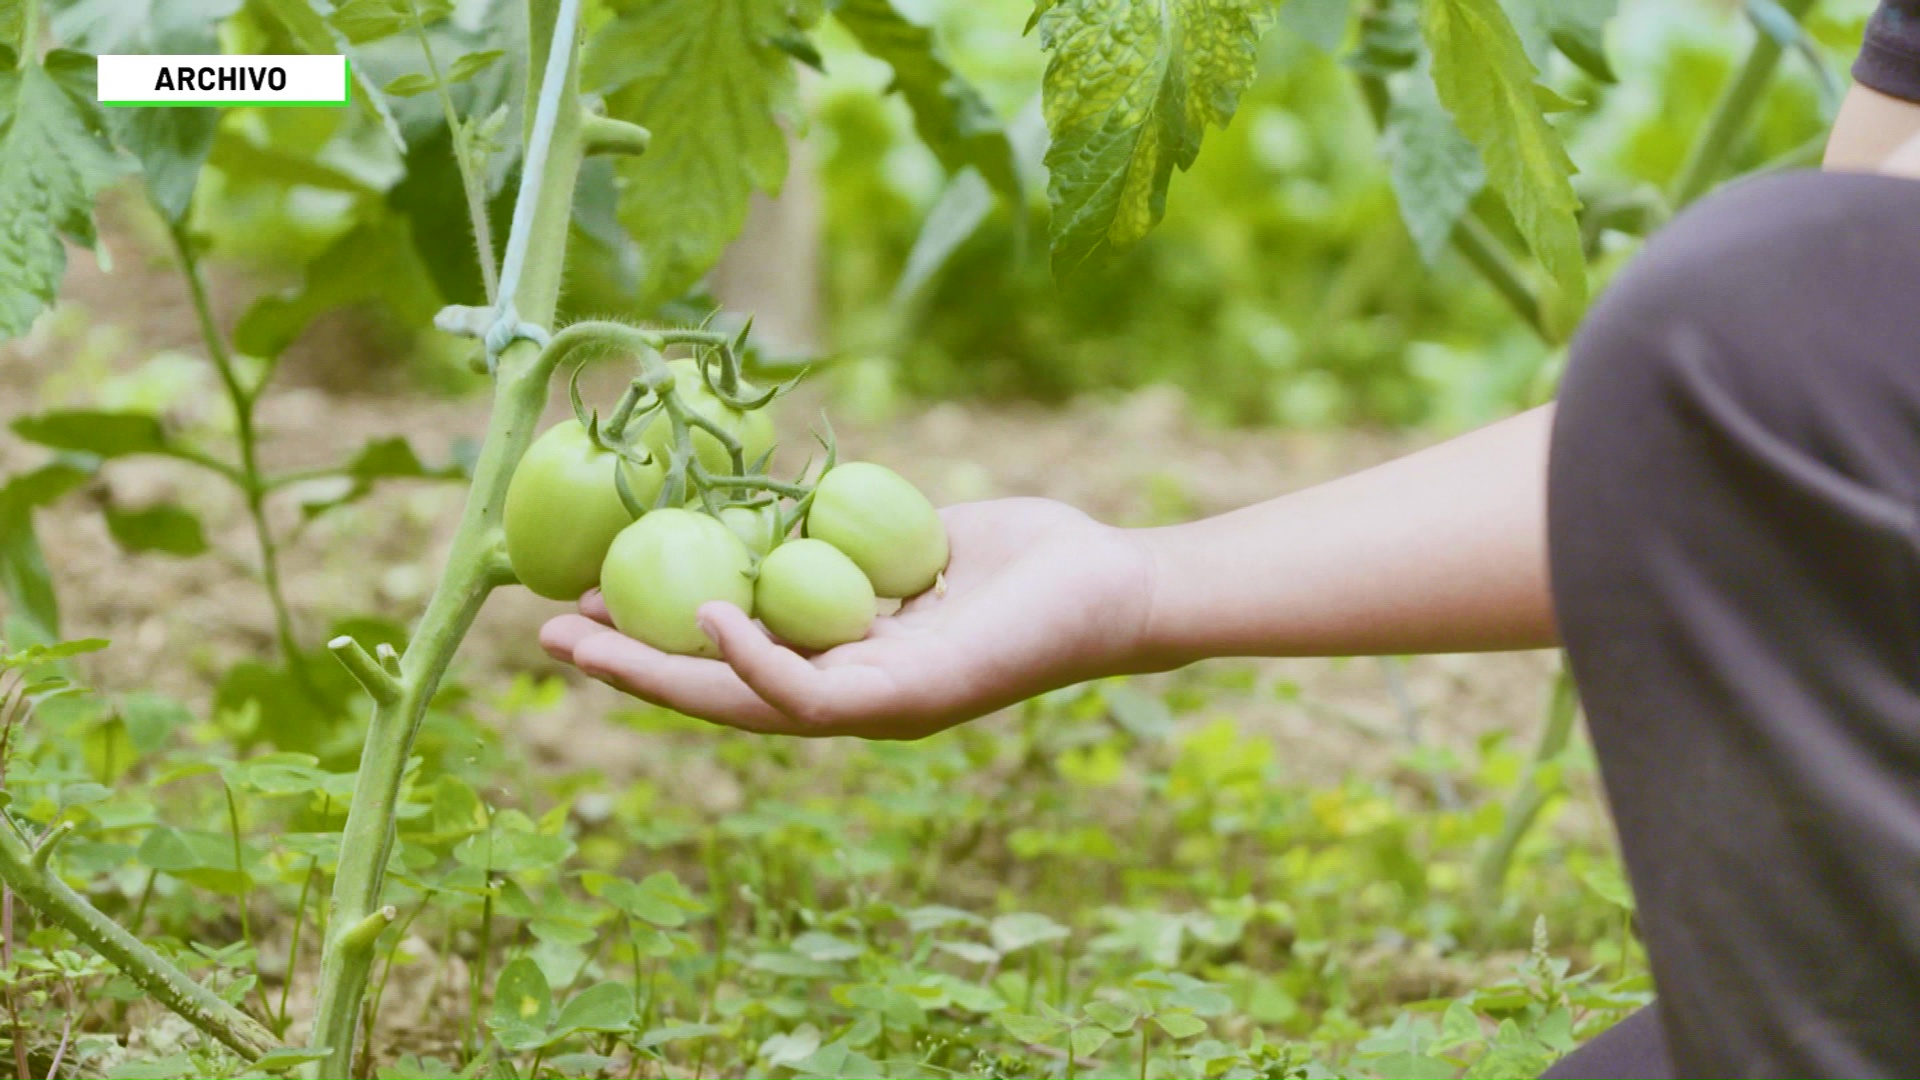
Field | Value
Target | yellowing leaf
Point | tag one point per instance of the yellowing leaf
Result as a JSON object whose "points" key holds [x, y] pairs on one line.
{"points": [[1130, 90], [1484, 78]]}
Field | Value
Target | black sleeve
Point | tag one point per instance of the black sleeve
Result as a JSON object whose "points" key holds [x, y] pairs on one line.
{"points": [[1890, 59]]}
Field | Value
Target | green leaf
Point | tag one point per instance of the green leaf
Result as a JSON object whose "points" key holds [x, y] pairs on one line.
{"points": [[103, 434], [200, 858], [521, 996], [370, 20], [472, 64], [166, 528], [413, 82], [166, 1068], [1610, 885], [1130, 89], [313, 35], [171, 144], [284, 1060], [1030, 1029], [55, 159], [375, 261], [705, 77], [1180, 1025], [1484, 78], [25, 580], [1117, 1017], [1142, 715], [953, 119], [605, 1007], [1087, 1041], [1579, 31], [1323, 23], [1436, 172], [1022, 930]]}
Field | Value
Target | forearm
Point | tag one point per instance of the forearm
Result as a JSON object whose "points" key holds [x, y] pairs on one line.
{"points": [[1871, 132], [1442, 551]]}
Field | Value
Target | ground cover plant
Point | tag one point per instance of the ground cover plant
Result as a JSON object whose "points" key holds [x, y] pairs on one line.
{"points": [[338, 867]]}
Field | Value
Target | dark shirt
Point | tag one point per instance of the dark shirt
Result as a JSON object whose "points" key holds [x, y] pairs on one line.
{"points": [[1890, 60]]}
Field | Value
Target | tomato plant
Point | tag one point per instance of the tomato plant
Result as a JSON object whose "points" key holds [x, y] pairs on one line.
{"points": [[812, 595], [883, 523], [682, 107]]}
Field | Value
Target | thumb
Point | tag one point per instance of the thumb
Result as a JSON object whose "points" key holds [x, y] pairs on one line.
{"points": [[783, 678]]}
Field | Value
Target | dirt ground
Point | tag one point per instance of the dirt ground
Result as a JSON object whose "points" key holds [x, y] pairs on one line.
{"points": [[175, 622]]}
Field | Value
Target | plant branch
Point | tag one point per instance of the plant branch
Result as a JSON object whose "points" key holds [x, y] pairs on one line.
{"points": [[1480, 247], [463, 156], [1732, 115], [520, 393], [166, 983], [252, 486], [606, 135], [1530, 797]]}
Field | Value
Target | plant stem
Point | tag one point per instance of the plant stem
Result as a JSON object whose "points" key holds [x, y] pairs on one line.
{"points": [[253, 486], [293, 949], [463, 157], [1528, 799], [520, 394], [30, 28], [1733, 114], [165, 983]]}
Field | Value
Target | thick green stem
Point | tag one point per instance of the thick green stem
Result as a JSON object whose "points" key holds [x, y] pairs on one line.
{"points": [[520, 394], [167, 984], [1733, 114]]}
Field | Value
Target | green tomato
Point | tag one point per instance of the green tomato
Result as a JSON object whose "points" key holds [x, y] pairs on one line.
{"points": [[753, 430], [563, 511], [811, 595], [755, 526], [883, 523], [663, 567]]}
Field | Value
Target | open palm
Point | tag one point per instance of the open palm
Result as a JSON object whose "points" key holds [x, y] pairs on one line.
{"points": [[1037, 595]]}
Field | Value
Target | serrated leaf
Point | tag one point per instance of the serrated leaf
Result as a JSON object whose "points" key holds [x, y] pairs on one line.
{"points": [[370, 20], [139, 26], [25, 580], [101, 433], [1131, 87], [1485, 79], [168, 529], [952, 118], [1579, 30], [55, 159], [1435, 170], [705, 77]]}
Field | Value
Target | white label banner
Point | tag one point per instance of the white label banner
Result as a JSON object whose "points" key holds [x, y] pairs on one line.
{"points": [[223, 80]]}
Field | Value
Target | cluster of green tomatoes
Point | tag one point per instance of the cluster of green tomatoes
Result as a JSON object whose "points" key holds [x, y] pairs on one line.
{"points": [[667, 506]]}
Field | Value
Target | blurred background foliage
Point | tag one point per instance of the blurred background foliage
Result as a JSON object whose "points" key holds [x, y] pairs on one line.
{"points": [[1282, 287]]}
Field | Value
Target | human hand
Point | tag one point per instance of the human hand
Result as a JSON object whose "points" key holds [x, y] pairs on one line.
{"points": [[1038, 595]]}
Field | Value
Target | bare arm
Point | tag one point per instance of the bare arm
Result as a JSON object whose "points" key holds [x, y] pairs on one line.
{"points": [[1444, 550], [1441, 551], [1875, 132]]}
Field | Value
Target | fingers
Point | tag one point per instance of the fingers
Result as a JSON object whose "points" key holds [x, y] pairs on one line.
{"points": [[594, 607], [823, 698], [701, 688]]}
